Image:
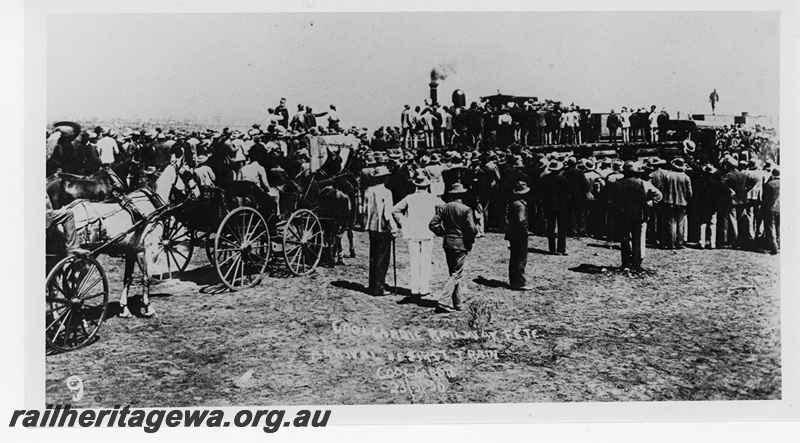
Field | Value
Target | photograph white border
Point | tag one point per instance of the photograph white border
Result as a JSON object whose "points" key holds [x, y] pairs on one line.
{"points": [[35, 119]]}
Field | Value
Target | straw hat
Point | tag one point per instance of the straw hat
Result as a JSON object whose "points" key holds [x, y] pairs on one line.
{"points": [[555, 166], [380, 171], [456, 188], [521, 188], [421, 181], [679, 163], [632, 168]]}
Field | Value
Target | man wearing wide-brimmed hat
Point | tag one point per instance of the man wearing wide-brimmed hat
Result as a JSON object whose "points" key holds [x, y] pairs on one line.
{"points": [[554, 204], [107, 148], [382, 230], [434, 173], [630, 198], [771, 211], [486, 179], [456, 223], [63, 154], [676, 189], [413, 213], [517, 236]]}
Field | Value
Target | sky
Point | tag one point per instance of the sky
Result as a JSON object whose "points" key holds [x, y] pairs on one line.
{"points": [[227, 69]]}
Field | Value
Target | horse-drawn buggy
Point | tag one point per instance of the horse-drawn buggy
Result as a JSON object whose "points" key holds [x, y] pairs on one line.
{"points": [[159, 226], [242, 226], [128, 225]]}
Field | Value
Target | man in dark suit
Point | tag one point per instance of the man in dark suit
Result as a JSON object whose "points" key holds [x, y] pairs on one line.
{"points": [[771, 211], [456, 223], [740, 216], [554, 204], [612, 122], [283, 113], [517, 236], [578, 187], [632, 197]]}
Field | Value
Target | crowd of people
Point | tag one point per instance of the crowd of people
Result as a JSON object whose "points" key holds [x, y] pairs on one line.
{"points": [[491, 125], [739, 137], [728, 202]]}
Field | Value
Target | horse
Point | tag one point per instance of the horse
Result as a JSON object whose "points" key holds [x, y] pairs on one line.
{"points": [[336, 213], [63, 188], [99, 222], [312, 196]]}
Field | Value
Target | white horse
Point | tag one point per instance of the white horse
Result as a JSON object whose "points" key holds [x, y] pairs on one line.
{"points": [[97, 223]]}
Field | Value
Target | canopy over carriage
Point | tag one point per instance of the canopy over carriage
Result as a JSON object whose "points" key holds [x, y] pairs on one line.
{"points": [[319, 146]]}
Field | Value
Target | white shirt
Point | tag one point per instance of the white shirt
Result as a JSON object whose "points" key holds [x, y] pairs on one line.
{"points": [[653, 120], [625, 119], [205, 176], [253, 172], [434, 174], [107, 147], [414, 213]]}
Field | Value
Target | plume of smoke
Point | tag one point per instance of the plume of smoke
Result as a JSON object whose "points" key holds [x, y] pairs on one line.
{"points": [[442, 71]]}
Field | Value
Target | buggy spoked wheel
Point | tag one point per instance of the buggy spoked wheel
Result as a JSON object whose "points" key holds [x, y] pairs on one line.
{"points": [[302, 242], [76, 300], [174, 251], [241, 248]]}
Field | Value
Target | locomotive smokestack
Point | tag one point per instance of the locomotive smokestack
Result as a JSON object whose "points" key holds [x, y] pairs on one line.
{"points": [[434, 94]]}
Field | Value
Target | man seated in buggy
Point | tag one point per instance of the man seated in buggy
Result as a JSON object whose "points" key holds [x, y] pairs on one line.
{"points": [[57, 240], [251, 187]]}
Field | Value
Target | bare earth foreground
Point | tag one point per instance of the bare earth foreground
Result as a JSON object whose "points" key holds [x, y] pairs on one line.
{"points": [[703, 325]]}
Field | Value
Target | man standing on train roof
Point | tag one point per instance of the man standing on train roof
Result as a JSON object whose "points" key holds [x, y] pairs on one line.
{"points": [[713, 98], [613, 123], [333, 119], [283, 114]]}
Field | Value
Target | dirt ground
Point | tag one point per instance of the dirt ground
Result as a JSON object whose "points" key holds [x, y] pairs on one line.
{"points": [[702, 325]]}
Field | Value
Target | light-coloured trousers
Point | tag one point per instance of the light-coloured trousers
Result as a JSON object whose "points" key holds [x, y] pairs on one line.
{"points": [[708, 231], [420, 254]]}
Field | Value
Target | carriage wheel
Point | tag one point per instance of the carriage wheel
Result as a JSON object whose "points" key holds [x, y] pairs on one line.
{"points": [[77, 301], [302, 242], [241, 248], [174, 249]]}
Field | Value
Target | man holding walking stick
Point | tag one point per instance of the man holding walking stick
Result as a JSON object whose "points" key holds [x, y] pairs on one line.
{"points": [[455, 222], [382, 230]]}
